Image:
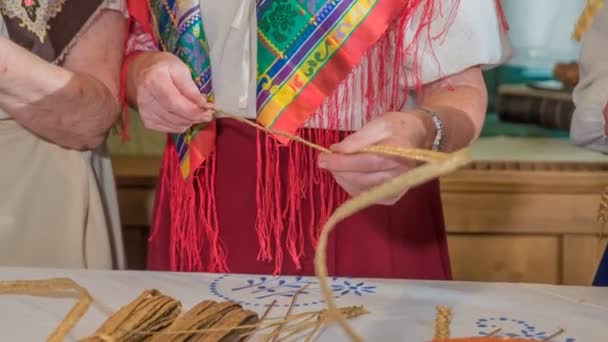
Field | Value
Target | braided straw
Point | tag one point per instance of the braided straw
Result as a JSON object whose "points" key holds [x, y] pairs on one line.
{"points": [[50, 287], [602, 219], [417, 176], [408, 153], [586, 18], [443, 318], [437, 164], [602, 214]]}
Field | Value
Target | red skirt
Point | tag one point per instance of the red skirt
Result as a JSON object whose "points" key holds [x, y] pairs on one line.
{"points": [[406, 240]]}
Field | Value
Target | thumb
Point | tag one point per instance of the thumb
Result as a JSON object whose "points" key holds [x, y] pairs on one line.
{"points": [[372, 133], [182, 79]]}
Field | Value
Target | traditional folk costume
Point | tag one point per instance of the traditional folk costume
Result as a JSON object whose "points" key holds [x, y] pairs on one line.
{"points": [[232, 199], [58, 207], [589, 126], [601, 277]]}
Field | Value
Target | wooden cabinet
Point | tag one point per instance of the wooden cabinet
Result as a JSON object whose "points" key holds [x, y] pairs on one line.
{"points": [[534, 224], [136, 179], [510, 258], [524, 223]]}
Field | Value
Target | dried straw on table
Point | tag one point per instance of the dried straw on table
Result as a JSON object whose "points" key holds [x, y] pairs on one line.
{"points": [[438, 164], [210, 321], [50, 288], [145, 320], [151, 312], [442, 322], [417, 176], [153, 316]]}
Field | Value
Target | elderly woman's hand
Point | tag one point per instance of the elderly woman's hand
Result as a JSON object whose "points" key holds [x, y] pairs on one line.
{"points": [[357, 172], [460, 102], [167, 98]]}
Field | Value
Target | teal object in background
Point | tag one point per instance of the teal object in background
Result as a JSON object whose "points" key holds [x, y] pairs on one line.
{"points": [[514, 75], [493, 127], [509, 74], [541, 36]]}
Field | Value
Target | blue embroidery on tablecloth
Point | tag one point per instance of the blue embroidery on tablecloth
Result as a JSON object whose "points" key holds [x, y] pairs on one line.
{"points": [[263, 290], [511, 327]]}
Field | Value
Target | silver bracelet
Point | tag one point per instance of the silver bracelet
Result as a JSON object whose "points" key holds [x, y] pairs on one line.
{"points": [[439, 129]]}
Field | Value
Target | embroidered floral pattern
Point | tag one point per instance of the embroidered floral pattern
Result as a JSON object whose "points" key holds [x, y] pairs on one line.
{"points": [[31, 8], [263, 290], [281, 22], [516, 328], [34, 14]]}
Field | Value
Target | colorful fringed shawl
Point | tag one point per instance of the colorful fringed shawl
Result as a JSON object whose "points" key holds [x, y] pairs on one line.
{"points": [[306, 50]]}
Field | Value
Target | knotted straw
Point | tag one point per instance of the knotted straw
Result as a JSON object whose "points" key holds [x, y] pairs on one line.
{"points": [[443, 318], [438, 164]]}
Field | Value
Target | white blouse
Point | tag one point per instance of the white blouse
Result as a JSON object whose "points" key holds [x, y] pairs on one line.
{"points": [[475, 37]]}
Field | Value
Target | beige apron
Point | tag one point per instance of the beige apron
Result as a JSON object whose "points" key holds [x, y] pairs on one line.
{"points": [[58, 207]]}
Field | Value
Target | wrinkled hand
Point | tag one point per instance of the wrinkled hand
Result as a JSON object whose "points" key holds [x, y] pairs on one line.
{"points": [[168, 100], [357, 172]]}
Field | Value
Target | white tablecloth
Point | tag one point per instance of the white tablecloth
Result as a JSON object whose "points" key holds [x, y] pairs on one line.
{"points": [[400, 310]]}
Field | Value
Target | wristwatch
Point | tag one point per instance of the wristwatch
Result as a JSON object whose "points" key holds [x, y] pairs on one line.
{"points": [[439, 129]]}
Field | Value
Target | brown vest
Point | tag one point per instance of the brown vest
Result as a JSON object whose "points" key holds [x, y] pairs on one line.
{"points": [[47, 28]]}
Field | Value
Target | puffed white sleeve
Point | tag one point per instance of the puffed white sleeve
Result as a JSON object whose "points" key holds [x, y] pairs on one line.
{"points": [[591, 93], [461, 34], [116, 5]]}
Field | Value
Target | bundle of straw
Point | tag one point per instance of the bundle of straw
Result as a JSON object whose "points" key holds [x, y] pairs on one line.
{"points": [[210, 321], [154, 317], [162, 311], [437, 164], [150, 312], [49, 288]]}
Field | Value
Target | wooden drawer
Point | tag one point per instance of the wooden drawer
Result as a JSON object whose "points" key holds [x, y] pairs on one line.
{"points": [[521, 213], [505, 258], [512, 226]]}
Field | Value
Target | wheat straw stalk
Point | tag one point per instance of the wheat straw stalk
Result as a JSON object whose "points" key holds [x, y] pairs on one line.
{"points": [[50, 287], [438, 164], [389, 188], [409, 153], [443, 318], [586, 18]]}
